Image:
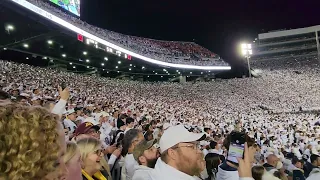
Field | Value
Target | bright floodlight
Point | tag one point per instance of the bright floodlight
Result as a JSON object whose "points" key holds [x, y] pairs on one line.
{"points": [[50, 42], [129, 69], [27, 58], [246, 49], [119, 62], [74, 67], [87, 60], [88, 67], [25, 45], [10, 27], [70, 63], [116, 67], [85, 53], [64, 55]]}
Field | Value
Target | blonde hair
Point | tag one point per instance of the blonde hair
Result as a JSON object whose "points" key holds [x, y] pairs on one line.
{"points": [[88, 145], [30, 142], [72, 149]]}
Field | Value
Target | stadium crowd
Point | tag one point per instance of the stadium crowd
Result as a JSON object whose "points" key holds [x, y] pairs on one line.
{"points": [[60, 125], [168, 51]]}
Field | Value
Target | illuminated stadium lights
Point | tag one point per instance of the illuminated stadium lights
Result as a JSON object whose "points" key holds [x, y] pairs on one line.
{"points": [[87, 60], [70, 63], [246, 50], [26, 45], [119, 62], [64, 55], [116, 67], [50, 42], [10, 27], [106, 59], [102, 64], [77, 30], [85, 53]]}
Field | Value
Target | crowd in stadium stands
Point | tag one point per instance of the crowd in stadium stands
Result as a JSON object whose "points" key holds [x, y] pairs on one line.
{"points": [[118, 129], [168, 51]]}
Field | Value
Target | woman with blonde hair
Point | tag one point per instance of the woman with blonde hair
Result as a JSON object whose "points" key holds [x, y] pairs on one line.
{"points": [[72, 158], [32, 144], [94, 164]]}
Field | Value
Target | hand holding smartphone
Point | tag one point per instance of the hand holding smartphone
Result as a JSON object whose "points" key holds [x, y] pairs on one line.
{"points": [[236, 148]]}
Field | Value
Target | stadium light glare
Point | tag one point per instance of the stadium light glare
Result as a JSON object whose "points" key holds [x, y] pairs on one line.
{"points": [[85, 53], [87, 60], [64, 55], [102, 64], [246, 50], [50, 42], [10, 27], [26, 45], [86, 34], [106, 59]]}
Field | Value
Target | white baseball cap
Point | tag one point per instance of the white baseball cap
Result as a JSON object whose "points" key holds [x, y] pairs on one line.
{"points": [[178, 134]]}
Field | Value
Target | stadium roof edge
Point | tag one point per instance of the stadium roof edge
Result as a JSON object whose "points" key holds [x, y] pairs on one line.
{"points": [[290, 32], [75, 29]]}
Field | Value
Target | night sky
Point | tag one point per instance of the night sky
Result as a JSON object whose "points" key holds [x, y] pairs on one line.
{"points": [[217, 25]]}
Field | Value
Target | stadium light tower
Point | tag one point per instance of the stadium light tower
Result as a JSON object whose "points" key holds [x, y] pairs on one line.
{"points": [[246, 50], [9, 28]]}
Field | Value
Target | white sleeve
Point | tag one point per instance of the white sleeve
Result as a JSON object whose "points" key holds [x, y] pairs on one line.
{"points": [[112, 160], [60, 107]]}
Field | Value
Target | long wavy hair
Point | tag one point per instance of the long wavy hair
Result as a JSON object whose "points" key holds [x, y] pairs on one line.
{"points": [[29, 142]]}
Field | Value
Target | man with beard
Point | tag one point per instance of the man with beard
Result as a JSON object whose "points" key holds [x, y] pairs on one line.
{"points": [[181, 157], [146, 155]]}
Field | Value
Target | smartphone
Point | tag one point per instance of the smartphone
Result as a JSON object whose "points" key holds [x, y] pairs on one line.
{"points": [[236, 148], [63, 86]]}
